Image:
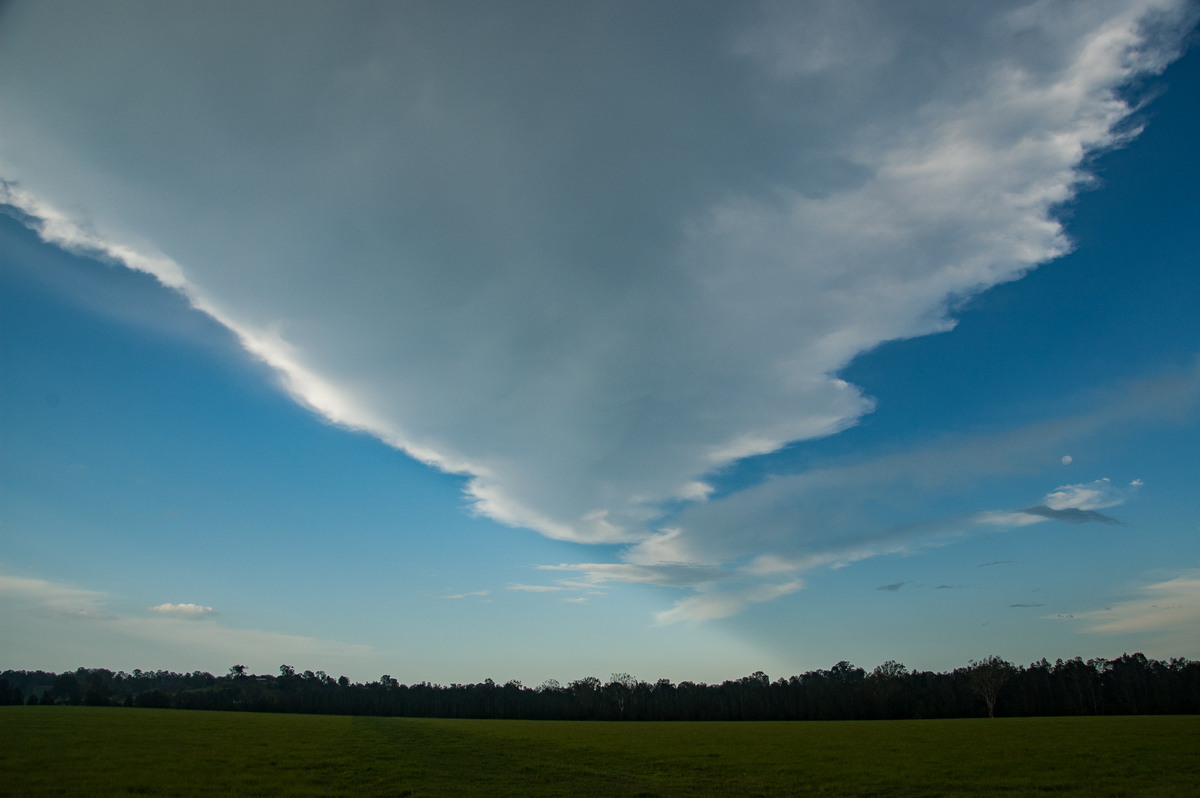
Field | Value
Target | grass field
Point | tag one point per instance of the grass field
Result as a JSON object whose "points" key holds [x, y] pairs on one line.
{"points": [[81, 751]]}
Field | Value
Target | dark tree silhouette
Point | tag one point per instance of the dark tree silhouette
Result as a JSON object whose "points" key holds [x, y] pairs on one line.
{"points": [[1131, 683], [987, 676]]}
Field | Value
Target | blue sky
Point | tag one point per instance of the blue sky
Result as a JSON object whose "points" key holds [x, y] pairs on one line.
{"points": [[535, 341]]}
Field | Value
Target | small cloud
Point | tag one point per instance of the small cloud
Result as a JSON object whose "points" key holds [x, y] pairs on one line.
{"points": [[1026, 605], [536, 588], [1007, 518], [994, 562], [892, 588], [468, 595], [1070, 504], [182, 610], [1067, 459], [577, 600], [1088, 496]]}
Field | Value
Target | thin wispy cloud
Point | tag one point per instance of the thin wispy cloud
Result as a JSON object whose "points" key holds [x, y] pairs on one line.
{"points": [[666, 574], [714, 604], [820, 518], [472, 594], [189, 630], [204, 640], [1165, 612], [56, 599]]}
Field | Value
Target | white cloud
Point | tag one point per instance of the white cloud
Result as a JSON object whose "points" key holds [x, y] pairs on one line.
{"points": [[1008, 518], [545, 256], [182, 610], [1070, 503], [1090, 496], [696, 491], [536, 588]]}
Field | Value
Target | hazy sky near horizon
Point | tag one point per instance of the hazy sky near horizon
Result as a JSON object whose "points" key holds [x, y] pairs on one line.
{"points": [[538, 340]]}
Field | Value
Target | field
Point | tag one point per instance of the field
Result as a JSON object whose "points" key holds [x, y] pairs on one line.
{"points": [[81, 751]]}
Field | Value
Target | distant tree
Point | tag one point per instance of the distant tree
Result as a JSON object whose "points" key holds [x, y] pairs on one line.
{"points": [[585, 692], [986, 678], [10, 694], [619, 689], [153, 699], [889, 670], [846, 673], [886, 689], [97, 690], [756, 679], [66, 689], [1128, 684], [237, 672]]}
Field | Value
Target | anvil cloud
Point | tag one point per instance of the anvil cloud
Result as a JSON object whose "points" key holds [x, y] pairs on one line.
{"points": [[585, 255]]}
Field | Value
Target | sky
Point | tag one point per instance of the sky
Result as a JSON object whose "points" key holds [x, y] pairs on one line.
{"points": [[538, 340]]}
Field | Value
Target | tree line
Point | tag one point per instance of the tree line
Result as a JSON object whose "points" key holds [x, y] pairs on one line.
{"points": [[1128, 685]]}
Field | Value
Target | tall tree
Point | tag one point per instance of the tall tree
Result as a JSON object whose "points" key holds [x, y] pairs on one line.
{"points": [[987, 676]]}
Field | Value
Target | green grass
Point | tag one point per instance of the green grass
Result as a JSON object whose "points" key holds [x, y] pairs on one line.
{"points": [[80, 751]]}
